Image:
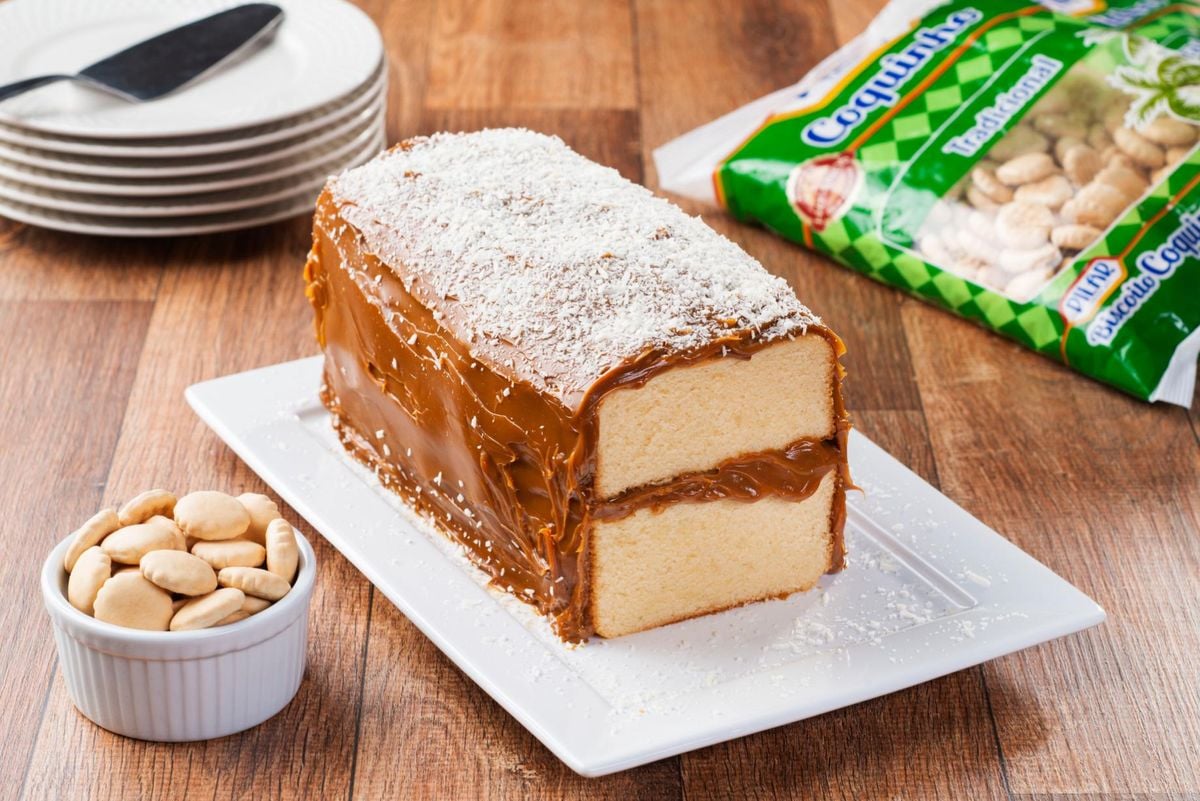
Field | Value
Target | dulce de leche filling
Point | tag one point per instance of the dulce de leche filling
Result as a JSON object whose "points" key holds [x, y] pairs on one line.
{"points": [[501, 467]]}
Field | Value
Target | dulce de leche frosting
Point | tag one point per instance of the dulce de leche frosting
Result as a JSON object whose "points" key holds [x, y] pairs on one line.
{"points": [[474, 309]]}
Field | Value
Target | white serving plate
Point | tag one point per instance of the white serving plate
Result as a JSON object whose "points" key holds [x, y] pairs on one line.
{"points": [[305, 182], [324, 157], [928, 590], [238, 139], [320, 53], [72, 173]]}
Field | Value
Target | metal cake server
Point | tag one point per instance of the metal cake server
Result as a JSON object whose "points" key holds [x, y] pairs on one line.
{"points": [[171, 60]]}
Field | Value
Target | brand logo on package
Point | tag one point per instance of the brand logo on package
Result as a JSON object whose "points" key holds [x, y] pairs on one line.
{"points": [[821, 189], [1082, 300], [882, 89]]}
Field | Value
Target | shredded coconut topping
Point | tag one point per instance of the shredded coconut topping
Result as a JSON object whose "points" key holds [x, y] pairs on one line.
{"points": [[551, 265]]}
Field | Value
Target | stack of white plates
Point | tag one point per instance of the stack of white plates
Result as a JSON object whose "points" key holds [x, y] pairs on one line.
{"points": [[250, 144]]}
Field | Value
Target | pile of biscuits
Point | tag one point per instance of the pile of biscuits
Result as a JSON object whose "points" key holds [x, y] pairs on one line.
{"points": [[165, 564], [1050, 187]]}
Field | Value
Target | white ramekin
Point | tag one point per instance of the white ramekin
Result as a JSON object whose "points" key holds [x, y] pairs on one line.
{"points": [[181, 685]]}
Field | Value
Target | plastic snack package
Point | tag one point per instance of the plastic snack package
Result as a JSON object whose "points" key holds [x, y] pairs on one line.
{"points": [[1030, 167]]}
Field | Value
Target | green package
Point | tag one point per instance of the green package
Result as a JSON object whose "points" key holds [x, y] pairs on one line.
{"points": [[1031, 167]]}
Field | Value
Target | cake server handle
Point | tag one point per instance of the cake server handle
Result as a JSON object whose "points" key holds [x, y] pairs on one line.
{"points": [[20, 87]]}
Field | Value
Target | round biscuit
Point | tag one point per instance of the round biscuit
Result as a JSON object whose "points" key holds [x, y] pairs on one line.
{"points": [[92, 532], [262, 511], [207, 610], [129, 544], [179, 572], [92, 569], [254, 581], [145, 505], [283, 554], [211, 515], [128, 599]]}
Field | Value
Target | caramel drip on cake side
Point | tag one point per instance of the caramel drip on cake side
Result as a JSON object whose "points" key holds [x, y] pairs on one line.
{"points": [[502, 467], [841, 438], [480, 454]]}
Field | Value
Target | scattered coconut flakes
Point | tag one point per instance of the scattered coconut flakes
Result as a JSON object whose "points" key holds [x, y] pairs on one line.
{"points": [[554, 266]]}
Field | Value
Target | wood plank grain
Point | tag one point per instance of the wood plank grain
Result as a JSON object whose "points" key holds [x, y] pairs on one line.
{"points": [[920, 743], [851, 17], [63, 402], [406, 27], [531, 54], [228, 303], [1105, 490], [1109, 797], [696, 65], [1101, 488], [49, 265]]}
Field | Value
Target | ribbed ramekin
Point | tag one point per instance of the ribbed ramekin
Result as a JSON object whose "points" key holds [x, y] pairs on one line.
{"points": [[181, 685]]}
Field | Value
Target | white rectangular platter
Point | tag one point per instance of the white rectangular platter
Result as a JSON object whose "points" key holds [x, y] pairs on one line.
{"points": [[927, 590]]}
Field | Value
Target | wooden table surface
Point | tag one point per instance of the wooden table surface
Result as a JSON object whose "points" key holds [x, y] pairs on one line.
{"points": [[101, 337]]}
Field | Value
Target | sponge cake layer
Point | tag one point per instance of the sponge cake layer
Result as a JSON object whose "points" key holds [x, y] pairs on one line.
{"points": [[692, 418], [658, 567]]}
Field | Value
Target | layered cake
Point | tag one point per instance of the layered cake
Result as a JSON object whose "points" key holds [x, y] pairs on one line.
{"points": [[619, 414]]}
